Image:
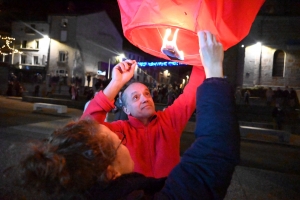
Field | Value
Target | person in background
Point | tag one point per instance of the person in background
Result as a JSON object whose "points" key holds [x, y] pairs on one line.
{"points": [[269, 96], [118, 110], [278, 115], [98, 85], [238, 95], [293, 99], [85, 160], [285, 97], [247, 97], [278, 95]]}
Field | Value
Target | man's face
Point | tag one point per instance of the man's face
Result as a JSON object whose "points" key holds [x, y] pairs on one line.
{"points": [[139, 102]]}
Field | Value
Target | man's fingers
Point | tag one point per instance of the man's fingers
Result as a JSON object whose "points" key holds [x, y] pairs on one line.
{"points": [[126, 65], [209, 37], [132, 67], [215, 40], [202, 38]]}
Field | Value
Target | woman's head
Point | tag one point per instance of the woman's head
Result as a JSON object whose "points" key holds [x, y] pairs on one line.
{"points": [[75, 158]]}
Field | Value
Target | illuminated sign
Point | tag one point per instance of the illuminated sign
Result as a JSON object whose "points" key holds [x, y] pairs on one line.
{"points": [[160, 64]]}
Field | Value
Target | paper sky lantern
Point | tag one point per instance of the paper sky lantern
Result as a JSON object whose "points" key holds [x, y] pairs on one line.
{"points": [[168, 28]]}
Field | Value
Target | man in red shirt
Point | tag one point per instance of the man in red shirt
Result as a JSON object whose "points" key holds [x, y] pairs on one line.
{"points": [[152, 137]]}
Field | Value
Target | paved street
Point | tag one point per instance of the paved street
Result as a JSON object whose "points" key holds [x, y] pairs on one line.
{"points": [[266, 171]]}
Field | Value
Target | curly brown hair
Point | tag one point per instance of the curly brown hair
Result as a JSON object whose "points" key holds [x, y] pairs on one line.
{"points": [[73, 159]]}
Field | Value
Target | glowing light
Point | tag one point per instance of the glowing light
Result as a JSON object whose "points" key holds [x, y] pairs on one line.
{"points": [[258, 43], [159, 64], [169, 48], [8, 42], [120, 57]]}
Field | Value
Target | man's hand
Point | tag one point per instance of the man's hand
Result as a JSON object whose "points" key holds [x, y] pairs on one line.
{"points": [[121, 74], [211, 53], [123, 71]]}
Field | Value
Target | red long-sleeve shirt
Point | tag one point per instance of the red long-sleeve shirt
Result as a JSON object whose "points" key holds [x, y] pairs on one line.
{"points": [[155, 147]]}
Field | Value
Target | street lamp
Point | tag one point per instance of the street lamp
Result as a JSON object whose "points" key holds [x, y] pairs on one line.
{"points": [[119, 58]]}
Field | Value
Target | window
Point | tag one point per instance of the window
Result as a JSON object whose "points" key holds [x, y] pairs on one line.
{"points": [[23, 59], [62, 56], [37, 44], [63, 36], [64, 23], [35, 60], [278, 63], [24, 44]]}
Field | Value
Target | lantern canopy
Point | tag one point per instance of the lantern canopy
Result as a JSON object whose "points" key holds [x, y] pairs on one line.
{"points": [[146, 22]]}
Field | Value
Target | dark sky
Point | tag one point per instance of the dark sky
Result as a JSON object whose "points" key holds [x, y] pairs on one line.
{"points": [[38, 10]]}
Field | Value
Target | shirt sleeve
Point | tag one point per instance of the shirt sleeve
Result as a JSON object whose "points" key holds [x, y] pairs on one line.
{"points": [[207, 166], [98, 107], [184, 106]]}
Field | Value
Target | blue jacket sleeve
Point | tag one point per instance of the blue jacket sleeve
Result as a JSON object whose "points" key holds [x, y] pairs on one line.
{"points": [[206, 168]]}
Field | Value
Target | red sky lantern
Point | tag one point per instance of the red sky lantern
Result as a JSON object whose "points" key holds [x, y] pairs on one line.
{"points": [[168, 28]]}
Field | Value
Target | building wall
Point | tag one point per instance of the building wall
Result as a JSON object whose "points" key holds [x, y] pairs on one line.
{"points": [[62, 42], [37, 35], [274, 33], [97, 39], [90, 39]]}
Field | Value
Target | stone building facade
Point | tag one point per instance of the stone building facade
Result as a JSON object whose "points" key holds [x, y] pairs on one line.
{"points": [[271, 52]]}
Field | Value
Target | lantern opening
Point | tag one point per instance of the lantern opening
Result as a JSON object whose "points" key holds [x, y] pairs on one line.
{"points": [[169, 48]]}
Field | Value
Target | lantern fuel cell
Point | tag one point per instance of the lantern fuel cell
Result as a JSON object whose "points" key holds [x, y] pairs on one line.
{"points": [[169, 48]]}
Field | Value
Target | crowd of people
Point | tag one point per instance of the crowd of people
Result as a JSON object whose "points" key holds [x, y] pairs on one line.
{"points": [[286, 98], [14, 85], [283, 103], [166, 93]]}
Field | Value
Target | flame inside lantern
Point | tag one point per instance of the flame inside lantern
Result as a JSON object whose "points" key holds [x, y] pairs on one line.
{"points": [[169, 47]]}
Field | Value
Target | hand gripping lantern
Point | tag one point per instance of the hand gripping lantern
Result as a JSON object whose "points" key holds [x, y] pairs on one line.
{"points": [[152, 25]]}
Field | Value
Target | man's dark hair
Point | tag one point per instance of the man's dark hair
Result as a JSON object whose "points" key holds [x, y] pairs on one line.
{"points": [[123, 97]]}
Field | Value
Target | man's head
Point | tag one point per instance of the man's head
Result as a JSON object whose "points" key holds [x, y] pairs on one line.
{"points": [[137, 102]]}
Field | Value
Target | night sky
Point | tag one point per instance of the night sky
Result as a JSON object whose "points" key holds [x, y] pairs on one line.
{"points": [[38, 10]]}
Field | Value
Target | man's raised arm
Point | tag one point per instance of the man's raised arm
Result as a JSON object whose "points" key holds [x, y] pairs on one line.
{"points": [[103, 102]]}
